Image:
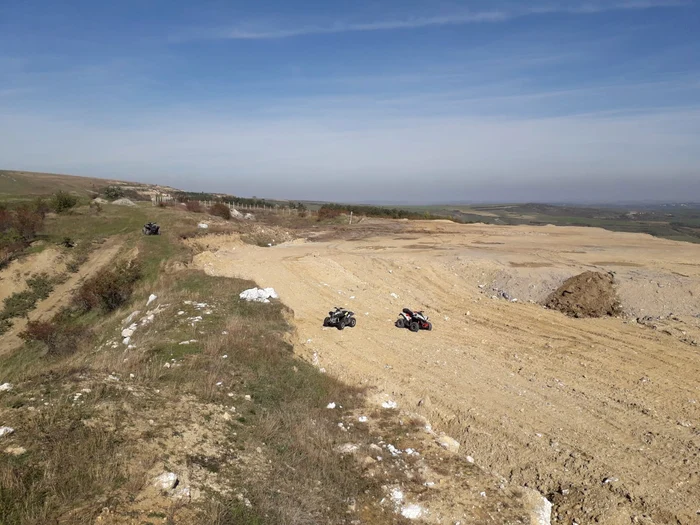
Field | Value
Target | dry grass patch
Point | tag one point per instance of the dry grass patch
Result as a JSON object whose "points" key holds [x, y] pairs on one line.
{"points": [[67, 464]]}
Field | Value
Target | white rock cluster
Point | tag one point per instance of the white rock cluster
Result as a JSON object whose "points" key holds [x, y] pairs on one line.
{"points": [[259, 295]]}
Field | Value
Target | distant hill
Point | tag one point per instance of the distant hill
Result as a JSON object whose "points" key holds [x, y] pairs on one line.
{"points": [[24, 183]]}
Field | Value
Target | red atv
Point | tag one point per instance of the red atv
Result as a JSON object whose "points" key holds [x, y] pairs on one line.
{"points": [[414, 321]]}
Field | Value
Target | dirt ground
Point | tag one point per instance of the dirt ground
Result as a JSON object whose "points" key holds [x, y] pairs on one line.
{"points": [[13, 278], [599, 415], [61, 295]]}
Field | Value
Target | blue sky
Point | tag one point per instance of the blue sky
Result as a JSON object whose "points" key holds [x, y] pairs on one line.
{"points": [[402, 101]]}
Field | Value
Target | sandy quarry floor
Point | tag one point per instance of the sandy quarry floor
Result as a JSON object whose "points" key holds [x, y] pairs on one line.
{"points": [[558, 404]]}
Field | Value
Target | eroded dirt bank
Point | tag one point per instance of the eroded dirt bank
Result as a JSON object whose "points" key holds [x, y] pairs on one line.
{"points": [[600, 415]]}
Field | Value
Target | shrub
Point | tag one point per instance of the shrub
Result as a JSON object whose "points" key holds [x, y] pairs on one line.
{"points": [[193, 206], [27, 222], [63, 201], [327, 212], [59, 337], [220, 210], [18, 304], [96, 207], [41, 206], [109, 290], [6, 220], [113, 193], [80, 257], [5, 325], [41, 285]]}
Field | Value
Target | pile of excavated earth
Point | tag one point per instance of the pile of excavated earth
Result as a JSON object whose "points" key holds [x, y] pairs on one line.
{"points": [[589, 294]]}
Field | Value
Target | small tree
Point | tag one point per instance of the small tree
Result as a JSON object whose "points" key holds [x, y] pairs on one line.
{"points": [[63, 201], [301, 210]]}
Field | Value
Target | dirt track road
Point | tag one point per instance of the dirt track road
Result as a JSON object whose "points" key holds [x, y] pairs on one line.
{"points": [[555, 403]]}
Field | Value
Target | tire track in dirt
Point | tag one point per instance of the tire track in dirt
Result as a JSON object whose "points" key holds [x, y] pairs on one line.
{"points": [[546, 401]]}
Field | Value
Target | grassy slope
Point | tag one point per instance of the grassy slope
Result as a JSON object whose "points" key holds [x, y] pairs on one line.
{"points": [[100, 450], [20, 183]]}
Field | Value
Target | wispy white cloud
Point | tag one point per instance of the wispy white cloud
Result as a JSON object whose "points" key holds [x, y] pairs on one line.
{"points": [[248, 32]]}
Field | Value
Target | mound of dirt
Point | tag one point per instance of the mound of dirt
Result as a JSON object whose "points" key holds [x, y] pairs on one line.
{"points": [[590, 294], [124, 202]]}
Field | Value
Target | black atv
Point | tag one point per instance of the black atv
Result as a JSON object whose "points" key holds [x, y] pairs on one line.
{"points": [[340, 318], [414, 321], [151, 228]]}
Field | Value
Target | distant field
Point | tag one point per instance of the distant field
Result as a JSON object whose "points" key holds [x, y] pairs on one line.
{"points": [[676, 222]]}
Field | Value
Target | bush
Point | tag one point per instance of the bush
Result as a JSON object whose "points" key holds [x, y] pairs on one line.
{"points": [[6, 220], [113, 193], [193, 206], [41, 285], [27, 222], [19, 304], [328, 213], [108, 290], [59, 337], [220, 210], [5, 325], [41, 206], [96, 207], [63, 201]]}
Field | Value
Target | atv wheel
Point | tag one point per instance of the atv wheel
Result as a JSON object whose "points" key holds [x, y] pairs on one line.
{"points": [[414, 326], [341, 325], [327, 321], [353, 322], [429, 326], [400, 323]]}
